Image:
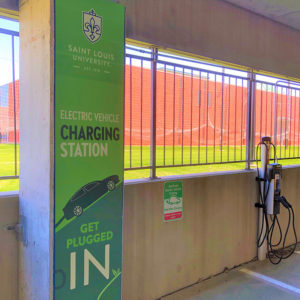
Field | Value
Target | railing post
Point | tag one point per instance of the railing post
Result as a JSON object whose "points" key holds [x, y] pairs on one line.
{"points": [[153, 113], [250, 138], [14, 98], [275, 115]]}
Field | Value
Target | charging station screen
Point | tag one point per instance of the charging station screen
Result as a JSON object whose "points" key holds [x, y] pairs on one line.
{"points": [[89, 83]]}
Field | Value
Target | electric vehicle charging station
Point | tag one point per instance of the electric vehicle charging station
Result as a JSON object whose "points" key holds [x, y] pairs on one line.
{"points": [[269, 182]]}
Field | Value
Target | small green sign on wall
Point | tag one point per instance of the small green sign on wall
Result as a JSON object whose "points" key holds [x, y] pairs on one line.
{"points": [[89, 84], [173, 207]]}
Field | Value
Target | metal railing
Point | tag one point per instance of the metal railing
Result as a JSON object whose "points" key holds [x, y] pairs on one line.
{"points": [[138, 112], [205, 121], [181, 112], [277, 107], [9, 106]]}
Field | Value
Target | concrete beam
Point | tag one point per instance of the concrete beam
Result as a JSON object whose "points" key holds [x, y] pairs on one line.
{"points": [[10, 4], [215, 29]]}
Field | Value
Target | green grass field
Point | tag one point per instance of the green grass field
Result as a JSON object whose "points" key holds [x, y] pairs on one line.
{"points": [[164, 156], [7, 167]]}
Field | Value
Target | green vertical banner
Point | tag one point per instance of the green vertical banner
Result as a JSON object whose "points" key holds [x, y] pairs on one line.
{"points": [[89, 87]]}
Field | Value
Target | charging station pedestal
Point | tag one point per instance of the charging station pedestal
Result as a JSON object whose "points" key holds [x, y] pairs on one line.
{"points": [[262, 250]]}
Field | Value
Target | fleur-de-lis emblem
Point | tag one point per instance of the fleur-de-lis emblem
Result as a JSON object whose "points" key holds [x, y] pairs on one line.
{"points": [[92, 26]]}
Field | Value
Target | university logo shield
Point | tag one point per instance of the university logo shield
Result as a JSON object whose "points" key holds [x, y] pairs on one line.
{"points": [[92, 25]]}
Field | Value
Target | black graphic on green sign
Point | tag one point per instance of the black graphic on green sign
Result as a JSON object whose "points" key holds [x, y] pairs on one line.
{"points": [[89, 81]]}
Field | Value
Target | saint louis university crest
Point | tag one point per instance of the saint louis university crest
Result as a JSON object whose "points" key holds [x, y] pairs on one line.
{"points": [[92, 25]]}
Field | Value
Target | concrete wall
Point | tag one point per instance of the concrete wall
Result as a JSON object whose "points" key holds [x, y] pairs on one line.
{"points": [[9, 215], [36, 157], [218, 231], [215, 29]]}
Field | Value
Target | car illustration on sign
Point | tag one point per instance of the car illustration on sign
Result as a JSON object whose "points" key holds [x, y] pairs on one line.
{"points": [[88, 194], [173, 200]]}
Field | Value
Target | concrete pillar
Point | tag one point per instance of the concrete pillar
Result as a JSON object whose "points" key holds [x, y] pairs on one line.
{"points": [[36, 142]]}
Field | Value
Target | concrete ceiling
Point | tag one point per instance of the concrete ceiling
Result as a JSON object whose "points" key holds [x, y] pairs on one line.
{"points": [[284, 11]]}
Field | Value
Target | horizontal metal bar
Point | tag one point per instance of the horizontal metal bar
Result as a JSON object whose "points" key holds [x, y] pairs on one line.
{"points": [[9, 32], [263, 82], [200, 70], [8, 177], [289, 82], [132, 56], [139, 50], [197, 61], [279, 85], [283, 158], [274, 76], [137, 168], [202, 164], [187, 165]]}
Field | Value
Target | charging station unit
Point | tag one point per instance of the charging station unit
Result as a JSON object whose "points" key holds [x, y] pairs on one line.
{"points": [[269, 177]]}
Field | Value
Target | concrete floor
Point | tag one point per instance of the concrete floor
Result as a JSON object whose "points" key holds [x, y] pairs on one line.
{"points": [[256, 280]]}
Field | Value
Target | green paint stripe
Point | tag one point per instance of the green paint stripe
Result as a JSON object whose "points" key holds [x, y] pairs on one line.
{"points": [[107, 286]]}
